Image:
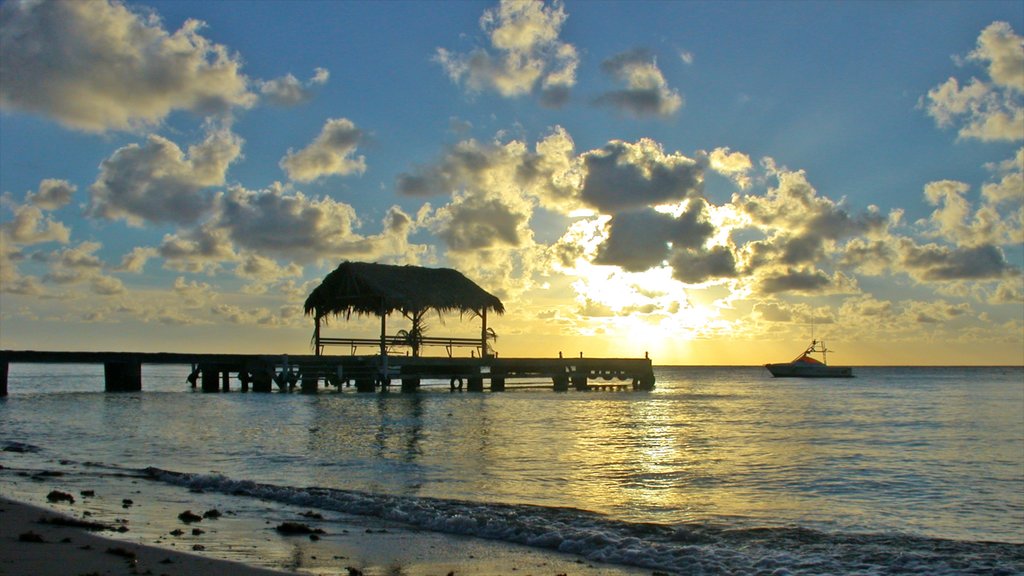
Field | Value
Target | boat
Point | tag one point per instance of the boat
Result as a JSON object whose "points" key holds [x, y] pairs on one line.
{"points": [[807, 366]]}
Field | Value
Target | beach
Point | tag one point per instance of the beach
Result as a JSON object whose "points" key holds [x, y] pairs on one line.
{"points": [[41, 542], [60, 538]]}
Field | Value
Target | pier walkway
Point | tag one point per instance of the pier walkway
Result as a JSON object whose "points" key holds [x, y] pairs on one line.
{"points": [[261, 372]]}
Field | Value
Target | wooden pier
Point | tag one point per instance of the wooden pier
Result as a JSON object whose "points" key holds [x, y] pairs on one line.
{"points": [[309, 373]]}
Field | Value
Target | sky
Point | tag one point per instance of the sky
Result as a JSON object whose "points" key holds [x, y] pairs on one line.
{"points": [[703, 182]]}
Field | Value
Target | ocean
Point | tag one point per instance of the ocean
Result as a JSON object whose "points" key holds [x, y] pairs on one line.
{"points": [[719, 470]]}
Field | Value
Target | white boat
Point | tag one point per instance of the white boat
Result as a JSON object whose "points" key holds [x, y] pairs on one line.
{"points": [[807, 366]]}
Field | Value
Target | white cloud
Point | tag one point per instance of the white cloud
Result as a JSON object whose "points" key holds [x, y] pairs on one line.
{"points": [[530, 56], [988, 111], [331, 153], [646, 93], [157, 182], [1003, 50], [100, 66], [733, 165]]}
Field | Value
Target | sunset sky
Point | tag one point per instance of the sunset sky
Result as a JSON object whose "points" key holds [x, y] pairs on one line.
{"points": [[699, 181]]}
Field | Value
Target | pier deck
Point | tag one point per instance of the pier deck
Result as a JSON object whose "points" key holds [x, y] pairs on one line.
{"points": [[261, 372]]}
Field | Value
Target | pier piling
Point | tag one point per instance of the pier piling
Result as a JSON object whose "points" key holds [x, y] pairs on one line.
{"points": [[123, 376]]}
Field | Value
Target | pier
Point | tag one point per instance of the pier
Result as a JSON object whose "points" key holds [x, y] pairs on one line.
{"points": [[312, 373]]}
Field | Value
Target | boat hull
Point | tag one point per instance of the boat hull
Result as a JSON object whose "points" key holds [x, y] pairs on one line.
{"points": [[801, 370]]}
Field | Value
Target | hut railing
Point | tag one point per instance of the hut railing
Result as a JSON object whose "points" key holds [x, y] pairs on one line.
{"points": [[392, 342]]}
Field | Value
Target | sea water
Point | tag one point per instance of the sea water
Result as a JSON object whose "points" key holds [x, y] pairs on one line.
{"points": [[718, 470]]}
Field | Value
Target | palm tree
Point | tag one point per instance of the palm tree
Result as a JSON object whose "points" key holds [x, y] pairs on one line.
{"points": [[413, 337]]}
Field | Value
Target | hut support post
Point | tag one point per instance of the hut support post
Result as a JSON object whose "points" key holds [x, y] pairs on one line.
{"points": [[3, 377], [316, 334], [483, 334]]}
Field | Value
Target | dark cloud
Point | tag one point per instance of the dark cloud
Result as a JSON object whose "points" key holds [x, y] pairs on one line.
{"points": [[937, 263], [475, 223], [799, 280], [623, 176], [644, 239], [694, 266]]}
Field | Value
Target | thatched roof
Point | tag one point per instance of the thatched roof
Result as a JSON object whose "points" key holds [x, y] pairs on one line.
{"points": [[366, 288]]}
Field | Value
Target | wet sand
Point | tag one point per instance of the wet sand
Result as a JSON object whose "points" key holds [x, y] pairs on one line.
{"points": [[32, 543]]}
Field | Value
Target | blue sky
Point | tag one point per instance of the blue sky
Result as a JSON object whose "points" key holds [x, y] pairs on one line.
{"points": [[700, 181]]}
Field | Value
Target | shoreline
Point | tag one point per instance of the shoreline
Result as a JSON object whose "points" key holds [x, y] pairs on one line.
{"points": [[39, 541], [147, 536]]}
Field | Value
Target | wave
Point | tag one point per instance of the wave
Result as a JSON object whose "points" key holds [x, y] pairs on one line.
{"points": [[692, 548]]}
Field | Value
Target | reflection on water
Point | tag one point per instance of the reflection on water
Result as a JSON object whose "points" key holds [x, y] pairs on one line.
{"points": [[934, 451]]}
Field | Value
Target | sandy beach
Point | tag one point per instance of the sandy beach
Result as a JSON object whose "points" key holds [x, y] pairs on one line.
{"points": [[40, 542], [41, 539]]}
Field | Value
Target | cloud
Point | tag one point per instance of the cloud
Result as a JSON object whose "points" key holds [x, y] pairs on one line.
{"points": [[260, 268], [700, 265], [304, 229], [646, 238], [473, 223], [289, 91], [31, 226], [529, 55], [932, 262], [511, 172], [646, 93], [52, 194], [1004, 51], [98, 66], [332, 153], [805, 280], [193, 294], [157, 182], [197, 250], [733, 165], [801, 226], [627, 176], [135, 260], [987, 111]]}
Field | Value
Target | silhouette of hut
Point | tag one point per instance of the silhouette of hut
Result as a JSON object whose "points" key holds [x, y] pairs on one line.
{"points": [[379, 289]]}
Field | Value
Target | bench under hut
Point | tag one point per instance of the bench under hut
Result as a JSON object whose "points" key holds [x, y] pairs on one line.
{"points": [[371, 289]]}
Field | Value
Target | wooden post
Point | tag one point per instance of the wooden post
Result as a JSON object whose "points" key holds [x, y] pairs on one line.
{"points": [[262, 378], [3, 377], [124, 376], [561, 383], [497, 380], [225, 381], [209, 377], [383, 331], [316, 334], [483, 334], [475, 383], [310, 381]]}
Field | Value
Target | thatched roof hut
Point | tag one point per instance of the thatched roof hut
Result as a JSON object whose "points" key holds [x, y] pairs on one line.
{"points": [[380, 289]]}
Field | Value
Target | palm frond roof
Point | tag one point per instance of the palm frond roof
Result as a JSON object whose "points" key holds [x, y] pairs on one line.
{"points": [[373, 289]]}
